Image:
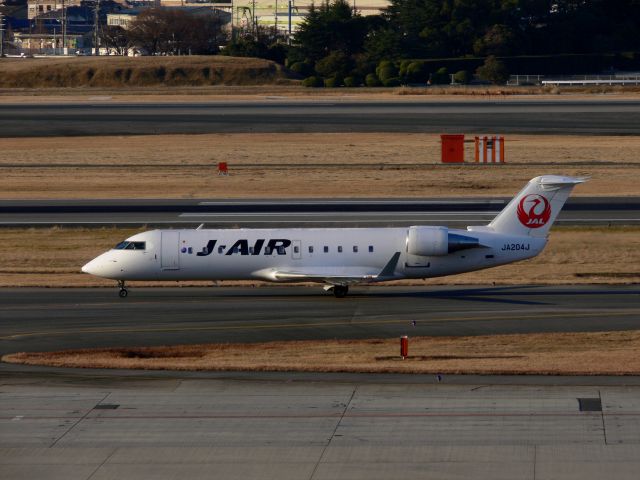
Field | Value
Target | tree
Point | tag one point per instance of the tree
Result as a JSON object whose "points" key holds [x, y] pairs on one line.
{"points": [[462, 77], [261, 42], [440, 77], [499, 40], [494, 71], [331, 27], [335, 64], [176, 32], [115, 38]]}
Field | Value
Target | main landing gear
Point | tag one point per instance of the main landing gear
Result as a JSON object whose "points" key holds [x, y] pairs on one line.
{"points": [[340, 291], [123, 291]]}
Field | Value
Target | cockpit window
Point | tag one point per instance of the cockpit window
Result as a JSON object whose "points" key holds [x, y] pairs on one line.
{"points": [[131, 246]]}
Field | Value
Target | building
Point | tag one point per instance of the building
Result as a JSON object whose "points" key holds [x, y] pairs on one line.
{"points": [[122, 19], [273, 13], [40, 7], [48, 43], [125, 17], [276, 13]]}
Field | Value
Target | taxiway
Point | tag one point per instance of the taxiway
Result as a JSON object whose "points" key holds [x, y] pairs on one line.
{"points": [[454, 212]]}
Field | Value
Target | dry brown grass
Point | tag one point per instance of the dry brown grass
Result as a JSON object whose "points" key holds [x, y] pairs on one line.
{"points": [[607, 353], [52, 257], [301, 165], [139, 71]]}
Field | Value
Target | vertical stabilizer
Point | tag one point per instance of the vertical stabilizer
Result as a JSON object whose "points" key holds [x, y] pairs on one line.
{"points": [[534, 209]]}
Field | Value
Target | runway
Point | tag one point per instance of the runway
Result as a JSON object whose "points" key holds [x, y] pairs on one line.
{"points": [[54, 319], [454, 212], [560, 116]]}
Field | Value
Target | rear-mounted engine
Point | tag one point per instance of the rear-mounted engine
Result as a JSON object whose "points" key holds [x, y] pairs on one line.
{"points": [[435, 241]]}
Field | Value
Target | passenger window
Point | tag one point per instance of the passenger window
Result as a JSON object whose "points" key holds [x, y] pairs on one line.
{"points": [[339, 248], [355, 249], [251, 250], [370, 248], [326, 249], [281, 251], [221, 249], [267, 250], [296, 249], [310, 249]]}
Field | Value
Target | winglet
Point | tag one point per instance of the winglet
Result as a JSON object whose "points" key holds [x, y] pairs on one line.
{"points": [[390, 268], [200, 227]]}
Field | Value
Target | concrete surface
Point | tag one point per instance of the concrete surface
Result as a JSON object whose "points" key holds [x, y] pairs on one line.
{"points": [[287, 429]]}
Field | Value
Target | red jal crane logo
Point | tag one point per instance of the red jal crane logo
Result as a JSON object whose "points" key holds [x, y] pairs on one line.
{"points": [[534, 211]]}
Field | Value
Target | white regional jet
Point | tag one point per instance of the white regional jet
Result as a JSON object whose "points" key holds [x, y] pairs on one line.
{"points": [[339, 257]]}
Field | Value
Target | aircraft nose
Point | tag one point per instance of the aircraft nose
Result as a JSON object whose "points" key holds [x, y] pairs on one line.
{"points": [[91, 268]]}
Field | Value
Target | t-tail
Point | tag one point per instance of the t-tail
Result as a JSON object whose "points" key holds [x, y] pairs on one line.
{"points": [[534, 209]]}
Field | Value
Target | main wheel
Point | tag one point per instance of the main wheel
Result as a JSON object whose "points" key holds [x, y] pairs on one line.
{"points": [[123, 293], [340, 291]]}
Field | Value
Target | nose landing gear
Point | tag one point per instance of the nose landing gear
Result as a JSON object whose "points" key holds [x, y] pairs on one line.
{"points": [[123, 291]]}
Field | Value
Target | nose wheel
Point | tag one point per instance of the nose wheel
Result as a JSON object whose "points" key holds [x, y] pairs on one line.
{"points": [[123, 291]]}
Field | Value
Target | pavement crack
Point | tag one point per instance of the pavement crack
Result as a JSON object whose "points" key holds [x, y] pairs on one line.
{"points": [[604, 427], [333, 434], [108, 457], [78, 421]]}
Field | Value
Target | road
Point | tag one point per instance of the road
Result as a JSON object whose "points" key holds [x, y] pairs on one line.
{"points": [[560, 116], [300, 212]]}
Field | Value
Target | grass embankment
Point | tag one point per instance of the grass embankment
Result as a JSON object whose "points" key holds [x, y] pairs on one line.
{"points": [[140, 72], [52, 257], [302, 166], [610, 353]]}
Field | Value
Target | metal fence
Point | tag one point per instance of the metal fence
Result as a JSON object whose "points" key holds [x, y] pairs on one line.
{"points": [[614, 79]]}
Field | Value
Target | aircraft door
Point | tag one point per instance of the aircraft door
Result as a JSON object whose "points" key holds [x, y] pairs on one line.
{"points": [[296, 251], [170, 250]]}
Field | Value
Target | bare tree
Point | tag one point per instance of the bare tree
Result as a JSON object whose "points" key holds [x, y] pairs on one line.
{"points": [[115, 38], [176, 32]]}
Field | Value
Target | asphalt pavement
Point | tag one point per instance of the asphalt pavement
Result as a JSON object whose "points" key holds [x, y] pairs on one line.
{"points": [[59, 318], [560, 116], [453, 212]]}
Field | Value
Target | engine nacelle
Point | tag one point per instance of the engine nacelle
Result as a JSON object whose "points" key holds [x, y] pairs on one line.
{"points": [[428, 241], [435, 241]]}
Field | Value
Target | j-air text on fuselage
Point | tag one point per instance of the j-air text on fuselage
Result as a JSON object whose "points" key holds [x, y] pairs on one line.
{"points": [[339, 257]]}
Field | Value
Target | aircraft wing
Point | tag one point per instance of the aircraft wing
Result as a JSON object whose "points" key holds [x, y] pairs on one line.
{"points": [[334, 275]]}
